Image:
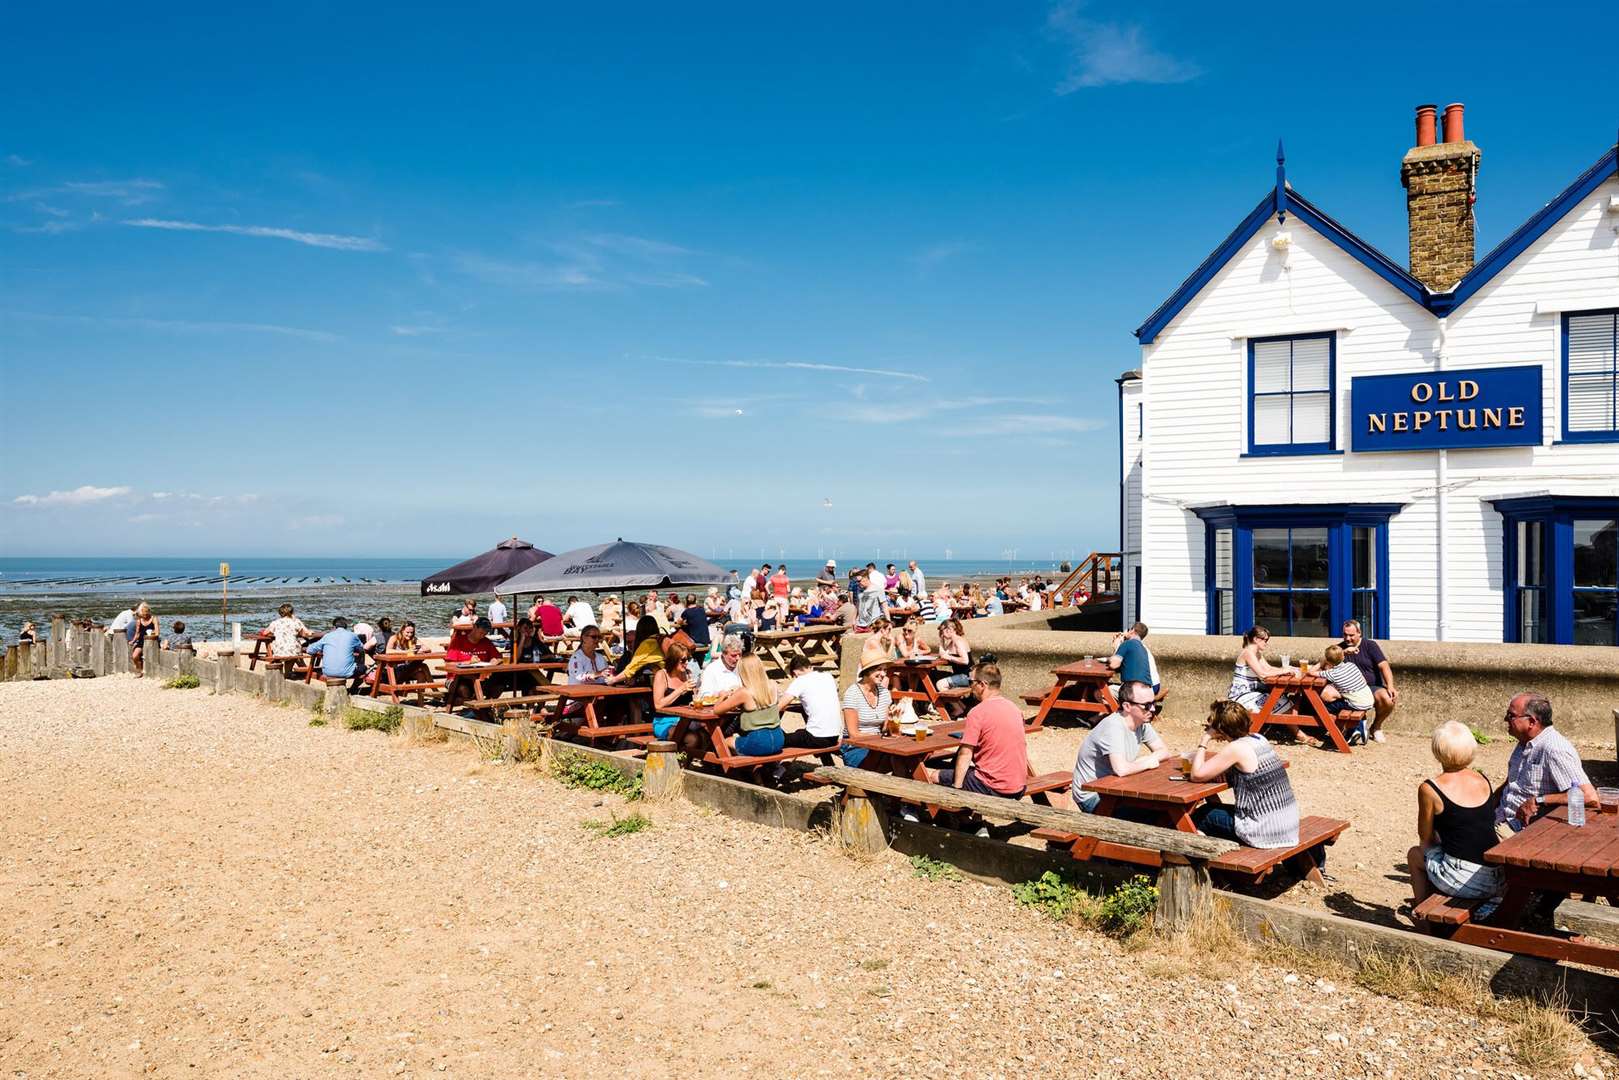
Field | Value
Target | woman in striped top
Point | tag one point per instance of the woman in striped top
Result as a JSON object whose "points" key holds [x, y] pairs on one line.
{"points": [[1266, 814]]}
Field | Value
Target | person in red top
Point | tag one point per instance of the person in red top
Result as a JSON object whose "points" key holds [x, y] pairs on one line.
{"points": [[994, 758], [549, 616], [780, 583], [474, 648]]}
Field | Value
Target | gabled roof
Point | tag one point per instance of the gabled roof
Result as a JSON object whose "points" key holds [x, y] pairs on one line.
{"points": [[1283, 199]]}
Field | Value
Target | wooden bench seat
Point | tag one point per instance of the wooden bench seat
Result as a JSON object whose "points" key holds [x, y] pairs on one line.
{"points": [[1051, 781], [1442, 910], [1257, 863], [498, 702], [1033, 699], [745, 761]]}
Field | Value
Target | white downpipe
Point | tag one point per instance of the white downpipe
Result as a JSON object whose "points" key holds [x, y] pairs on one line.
{"points": [[1441, 477]]}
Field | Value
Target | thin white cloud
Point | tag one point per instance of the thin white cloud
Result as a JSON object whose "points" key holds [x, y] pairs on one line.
{"points": [[179, 325], [530, 275], [585, 204], [127, 192], [1101, 53], [417, 331], [798, 365], [17, 161], [934, 254], [335, 241], [638, 247], [79, 496]]}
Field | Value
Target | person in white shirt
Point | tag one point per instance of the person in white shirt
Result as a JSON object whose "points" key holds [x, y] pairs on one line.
{"points": [[817, 692], [720, 677], [579, 613], [121, 621], [497, 612], [919, 584], [587, 664]]}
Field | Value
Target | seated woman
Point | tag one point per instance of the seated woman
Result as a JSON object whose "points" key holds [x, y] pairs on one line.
{"points": [[528, 644], [758, 723], [953, 650], [636, 668], [405, 641], [1252, 669], [672, 685], [866, 706], [1266, 814], [880, 645], [1455, 826], [910, 645]]}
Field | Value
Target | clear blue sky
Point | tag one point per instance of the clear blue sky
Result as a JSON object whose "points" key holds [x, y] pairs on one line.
{"points": [[406, 281]]}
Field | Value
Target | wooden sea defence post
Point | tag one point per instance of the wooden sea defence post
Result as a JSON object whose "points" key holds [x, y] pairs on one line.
{"points": [[661, 776], [860, 824], [8, 666], [25, 660], [1184, 893]]}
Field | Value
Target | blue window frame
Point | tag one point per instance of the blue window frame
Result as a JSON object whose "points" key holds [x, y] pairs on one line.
{"points": [[1302, 570], [1292, 403], [1591, 376], [1561, 569]]}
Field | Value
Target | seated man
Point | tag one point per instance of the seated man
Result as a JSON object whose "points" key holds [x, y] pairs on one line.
{"points": [[1346, 689], [1368, 656], [1543, 763], [474, 648], [994, 756], [1113, 748], [342, 655], [719, 677], [817, 693], [1132, 660]]}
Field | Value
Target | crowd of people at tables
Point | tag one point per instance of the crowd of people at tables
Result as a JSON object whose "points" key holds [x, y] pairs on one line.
{"points": [[1460, 813]]}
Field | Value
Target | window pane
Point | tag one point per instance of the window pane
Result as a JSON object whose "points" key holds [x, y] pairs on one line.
{"points": [[1594, 616], [1590, 403], [1531, 553], [1590, 343], [1228, 612], [1271, 421], [1270, 611], [1364, 542], [1222, 558], [1270, 558], [1312, 364], [1531, 616], [1272, 360], [1311, 614], [1365, 612], [1596, 562], [1309, 558], [1312, 418]]}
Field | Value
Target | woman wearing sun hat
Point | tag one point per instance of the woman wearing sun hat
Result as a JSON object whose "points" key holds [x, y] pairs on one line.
{"points": [[866, 704]]}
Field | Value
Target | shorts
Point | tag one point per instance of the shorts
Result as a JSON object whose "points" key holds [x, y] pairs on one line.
{"points": [[1463, 879], [802, 738], [974, 783], [664, 726], [853, 755], [760, 742], [954, 682]]}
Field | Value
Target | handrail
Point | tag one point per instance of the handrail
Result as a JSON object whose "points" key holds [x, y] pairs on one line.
{"points": [[1097, 576]]}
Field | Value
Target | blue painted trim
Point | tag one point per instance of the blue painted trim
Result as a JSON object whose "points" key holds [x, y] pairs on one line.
{"points": [[1531, 230], [1292, 449], [1587, 436], [1558, 513], [1281, 184], [1286, 199], [1124, 502]]}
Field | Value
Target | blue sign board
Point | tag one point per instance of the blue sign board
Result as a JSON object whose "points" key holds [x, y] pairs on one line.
{"points": [[1446, 410]]}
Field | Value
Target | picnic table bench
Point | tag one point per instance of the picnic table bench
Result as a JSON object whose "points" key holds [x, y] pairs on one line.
{"points": [[479, 674], [387, 681], [913, 679], [1170, 800], [261, 648], [712, 725], [1547, 856], [586, 723], [1184, 887], [1308, 687], [817, 644], [1080, 687]]}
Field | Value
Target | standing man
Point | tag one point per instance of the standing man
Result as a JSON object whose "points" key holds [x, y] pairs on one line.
{"points": [[870, 604], [918, 582], [829, 574], [497, 612], [1132, 660], [1365, 654], [780, 584], [1543, 763], [994, 756]]}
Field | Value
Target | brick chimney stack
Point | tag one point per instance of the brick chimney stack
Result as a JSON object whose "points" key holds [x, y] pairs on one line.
{"points": [[1440, 188]]}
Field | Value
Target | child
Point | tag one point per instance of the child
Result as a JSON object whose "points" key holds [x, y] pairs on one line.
{"points": [[1346, 689], [179, 640]]}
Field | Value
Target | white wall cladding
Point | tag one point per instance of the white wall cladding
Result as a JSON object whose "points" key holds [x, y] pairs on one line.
{"points": [[1195, 395], [1130, 421]]}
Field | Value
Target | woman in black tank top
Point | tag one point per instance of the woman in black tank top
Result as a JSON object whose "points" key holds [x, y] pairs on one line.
{"points": [[1455, 825]]}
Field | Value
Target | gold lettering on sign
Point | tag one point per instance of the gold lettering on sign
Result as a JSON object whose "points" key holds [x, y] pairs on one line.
{"points": [[1376, 422], [1515, 416], [1400, 421], [1492, 417], [1444, 392], [1444, 419], [1467, 419], [1422, 417], [1469, 389], [1423, 391]]}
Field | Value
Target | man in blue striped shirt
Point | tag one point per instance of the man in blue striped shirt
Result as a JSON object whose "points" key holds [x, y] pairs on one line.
{"points": [[1543, 763]]}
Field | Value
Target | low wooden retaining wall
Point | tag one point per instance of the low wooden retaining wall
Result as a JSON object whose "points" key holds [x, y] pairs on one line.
{"points": [[1267, 923]]}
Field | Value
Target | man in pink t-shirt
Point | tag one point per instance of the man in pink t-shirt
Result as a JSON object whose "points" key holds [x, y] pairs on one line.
{"points": [[994, 758]]}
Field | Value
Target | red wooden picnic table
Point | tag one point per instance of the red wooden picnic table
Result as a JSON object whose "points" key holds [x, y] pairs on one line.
{"points": [[1551, 856], [479, 674], [1081, 687], [586, 723], [1306, 687], [914, 679], [818, 645], [261, 646], [907, 755], [387, 681], [712, 726]]}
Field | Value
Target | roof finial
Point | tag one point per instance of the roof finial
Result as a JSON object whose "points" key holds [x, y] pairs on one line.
{"points": [[1281, 183]]}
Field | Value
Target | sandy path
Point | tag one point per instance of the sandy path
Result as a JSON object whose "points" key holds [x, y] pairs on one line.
{"points": [[195, 885]]}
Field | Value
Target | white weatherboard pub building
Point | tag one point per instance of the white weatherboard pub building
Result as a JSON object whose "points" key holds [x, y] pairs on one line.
{"points": [[1318, 433]]}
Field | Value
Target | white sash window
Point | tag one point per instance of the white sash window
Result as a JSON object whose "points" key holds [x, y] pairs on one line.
{"points": [[1291, 404]]}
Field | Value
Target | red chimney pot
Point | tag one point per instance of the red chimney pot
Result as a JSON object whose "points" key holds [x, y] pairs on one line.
{"points": [[1453, 123], [1425, 125]]}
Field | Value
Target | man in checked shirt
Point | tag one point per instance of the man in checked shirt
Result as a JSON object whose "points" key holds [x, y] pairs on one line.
{"points": [[1543, 763]]}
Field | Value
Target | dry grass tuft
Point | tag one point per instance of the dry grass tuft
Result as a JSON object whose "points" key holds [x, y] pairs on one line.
{"points": [[1543, 1038], [419, 729]]}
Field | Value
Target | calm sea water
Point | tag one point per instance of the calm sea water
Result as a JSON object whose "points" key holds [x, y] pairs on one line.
{"points": [[99, 588]]}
